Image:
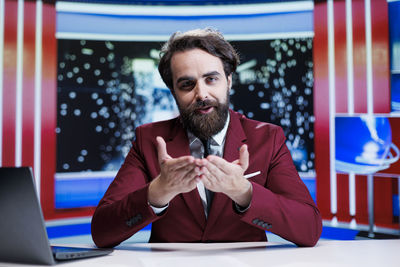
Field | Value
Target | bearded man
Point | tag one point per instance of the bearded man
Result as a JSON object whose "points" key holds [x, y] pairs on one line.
{"points": [[211, 174]]}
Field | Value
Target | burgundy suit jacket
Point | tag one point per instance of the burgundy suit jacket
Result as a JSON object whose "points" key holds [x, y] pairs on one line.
{"points": [[280, 203]]}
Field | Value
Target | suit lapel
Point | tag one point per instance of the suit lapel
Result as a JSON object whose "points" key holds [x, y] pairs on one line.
{"points": [[177, 142], [235, 138], [178, 146]]}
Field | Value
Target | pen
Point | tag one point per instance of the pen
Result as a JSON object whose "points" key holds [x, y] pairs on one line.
{"points": [[247, 176]]}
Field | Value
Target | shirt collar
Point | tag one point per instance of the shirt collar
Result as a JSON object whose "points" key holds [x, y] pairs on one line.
{"points": [[218, 138]]}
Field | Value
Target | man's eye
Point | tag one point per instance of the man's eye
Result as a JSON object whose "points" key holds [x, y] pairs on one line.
{"points": [[211, 79], [187, 85]]}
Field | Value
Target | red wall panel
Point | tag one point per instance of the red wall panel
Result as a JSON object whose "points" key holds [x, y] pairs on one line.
{"points": [[359, 57], [28, 86], [321, 109], [340, 57], [341, 98], [9, 83], [380, 56], [383, 202], [361, 199], [49, 98], [343, 212]]}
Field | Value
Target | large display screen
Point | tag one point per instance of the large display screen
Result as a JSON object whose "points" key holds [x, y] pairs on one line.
{"points": [[108, 88]]}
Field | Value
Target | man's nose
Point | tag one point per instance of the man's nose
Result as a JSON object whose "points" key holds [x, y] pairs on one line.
{"points": [[201, 91]]}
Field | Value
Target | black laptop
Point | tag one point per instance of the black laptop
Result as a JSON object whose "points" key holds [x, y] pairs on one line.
{"points": [[23, 236]]}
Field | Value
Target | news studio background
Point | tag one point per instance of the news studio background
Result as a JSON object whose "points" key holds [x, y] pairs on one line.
{"points": [[109, 86]]}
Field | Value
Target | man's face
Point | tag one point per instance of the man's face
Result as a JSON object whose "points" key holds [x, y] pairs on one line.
{"points": [[201, 91]]}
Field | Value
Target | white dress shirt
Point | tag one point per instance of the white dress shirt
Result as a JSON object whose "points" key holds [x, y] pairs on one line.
{"points": [[217, 143]]}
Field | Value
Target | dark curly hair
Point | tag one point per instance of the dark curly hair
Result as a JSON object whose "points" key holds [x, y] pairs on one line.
{"points": [[208, 40]]}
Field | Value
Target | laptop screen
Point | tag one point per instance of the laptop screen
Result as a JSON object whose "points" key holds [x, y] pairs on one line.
{"points": [[23, 236]]}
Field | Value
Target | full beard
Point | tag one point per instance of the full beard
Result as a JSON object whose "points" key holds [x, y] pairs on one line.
{"points": [[204, 126]]}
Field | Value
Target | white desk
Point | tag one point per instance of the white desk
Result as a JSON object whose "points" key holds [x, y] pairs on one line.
{"points": [[326, 253]]}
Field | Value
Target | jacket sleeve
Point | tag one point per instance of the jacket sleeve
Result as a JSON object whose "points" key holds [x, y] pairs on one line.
{"points": [[283, 205], [124, 209]]}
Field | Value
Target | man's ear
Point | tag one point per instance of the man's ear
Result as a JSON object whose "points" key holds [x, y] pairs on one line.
{"points": [[230, 81]]}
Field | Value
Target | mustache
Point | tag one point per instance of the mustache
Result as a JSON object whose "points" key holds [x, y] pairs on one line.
{"points": [[204, 103]]}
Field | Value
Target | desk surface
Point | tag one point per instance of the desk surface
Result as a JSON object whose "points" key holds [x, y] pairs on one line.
{"points": [[326, 253]]}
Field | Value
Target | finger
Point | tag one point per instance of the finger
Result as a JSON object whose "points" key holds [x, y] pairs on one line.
{"points": [[162, 150], [244, 157], [236, 162], [181, 166], [214, 172], [187, 180], [210, 182], [181, 174], [206, 182], [194, 175], [200, 162], [219, 163], [181, 162], [206, 177]]}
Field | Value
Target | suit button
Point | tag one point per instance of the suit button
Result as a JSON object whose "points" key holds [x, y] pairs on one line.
{"points": [[255, 221]]}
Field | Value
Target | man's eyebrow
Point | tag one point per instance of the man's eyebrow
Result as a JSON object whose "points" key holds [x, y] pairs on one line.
{"points": [[190, 78], [211, 73], [184, 78]]}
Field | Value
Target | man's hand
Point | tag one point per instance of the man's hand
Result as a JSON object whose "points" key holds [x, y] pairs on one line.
{"points": [[220, 175], [177, 175]]}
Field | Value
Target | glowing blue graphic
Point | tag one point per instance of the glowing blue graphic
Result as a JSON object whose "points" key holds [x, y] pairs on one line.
{"points": [[395, 91], [394, 45], [364, 144]]}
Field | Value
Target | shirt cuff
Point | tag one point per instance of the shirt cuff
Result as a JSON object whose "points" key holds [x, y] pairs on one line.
{"points": [[158, 211], [241, 209]]}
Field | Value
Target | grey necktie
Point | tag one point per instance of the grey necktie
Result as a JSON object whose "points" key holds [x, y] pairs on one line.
{"points": [[209, 194]]}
